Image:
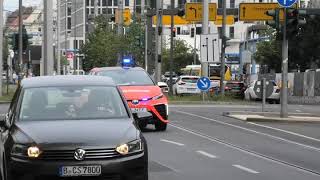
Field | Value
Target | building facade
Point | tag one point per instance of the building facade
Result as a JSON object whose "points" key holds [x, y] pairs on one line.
{"points": [[314, 4]]}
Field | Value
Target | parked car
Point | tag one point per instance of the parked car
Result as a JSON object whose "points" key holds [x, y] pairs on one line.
{"points": [[235, 88], [186, 85], [249, 93], [166, 76]]}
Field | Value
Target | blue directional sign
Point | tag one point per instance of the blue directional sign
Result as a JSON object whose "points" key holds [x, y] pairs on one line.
{"points": [[287, 3], [204, 84]]}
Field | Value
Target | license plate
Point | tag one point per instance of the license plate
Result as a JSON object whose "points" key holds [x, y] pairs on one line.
{"points": [[191, 89], [71, 171], [138, 110]]}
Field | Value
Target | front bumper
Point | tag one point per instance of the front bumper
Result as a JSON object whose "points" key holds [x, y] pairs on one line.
{"points": [[131, 167], [159, 110]]}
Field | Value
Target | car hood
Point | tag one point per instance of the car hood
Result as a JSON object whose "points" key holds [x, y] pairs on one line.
{"points": [[76, 133], [140, 92]]}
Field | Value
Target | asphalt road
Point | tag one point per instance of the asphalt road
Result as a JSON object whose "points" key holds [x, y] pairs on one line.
{"points": [[202, 144]]}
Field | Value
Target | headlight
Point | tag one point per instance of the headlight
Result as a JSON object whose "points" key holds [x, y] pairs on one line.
{"points": [[131, 147], [158, 97], [24, 151], [33, 152]]}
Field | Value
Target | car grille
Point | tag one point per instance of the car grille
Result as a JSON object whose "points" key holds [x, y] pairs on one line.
{"points": [[162, 110], [91, 154]]}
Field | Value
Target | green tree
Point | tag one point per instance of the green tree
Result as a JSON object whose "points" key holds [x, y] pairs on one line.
{"points": [[183, 56], [303, 48], [104, 44]]}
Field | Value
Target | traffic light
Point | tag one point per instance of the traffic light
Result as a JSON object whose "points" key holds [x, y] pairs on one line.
{"points": [[275, 14], [181, 12], [295, 19], [174, 32]]}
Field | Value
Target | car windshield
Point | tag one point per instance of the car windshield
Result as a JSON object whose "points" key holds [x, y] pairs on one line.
{"points": [[72, 103], [129, 77], [190, 79]]}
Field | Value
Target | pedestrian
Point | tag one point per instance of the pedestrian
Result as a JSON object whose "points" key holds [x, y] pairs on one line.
{"points": [[14, 77]]}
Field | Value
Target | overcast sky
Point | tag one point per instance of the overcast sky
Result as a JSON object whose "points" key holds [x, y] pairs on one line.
{"points": [[14, 4]]}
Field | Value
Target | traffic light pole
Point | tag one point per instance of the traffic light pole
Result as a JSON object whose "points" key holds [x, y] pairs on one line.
{"points": [[20, 68], [284, 85], [48, 39], [158, 42], [1, 44], [171, 48], [223, 48]]}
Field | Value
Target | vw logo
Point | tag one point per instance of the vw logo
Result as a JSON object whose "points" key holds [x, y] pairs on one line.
{"points": [[79, 154], [135, 102]]}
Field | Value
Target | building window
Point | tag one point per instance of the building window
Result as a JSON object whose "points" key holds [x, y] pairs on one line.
{"points": [[220, 3], [109, 2], [115, 2], [231, 32], [104, 11], [220, 32], [69, 11], [69, 23], [92, 2], [104, 2], [232, 4], [198, 30], [109, 11], [87, 2], [80, 43], [92, 10], [127, 3], [75, 44]]}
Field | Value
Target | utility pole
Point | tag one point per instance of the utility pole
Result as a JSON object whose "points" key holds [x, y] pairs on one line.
{"points": [[205, 31], [171, 47], [223, 48], [120, 25], [20, 39], [1, 43], [284, 85], [144, 21], [58, 38], [48, 38], [158, 41], [195, 45]]}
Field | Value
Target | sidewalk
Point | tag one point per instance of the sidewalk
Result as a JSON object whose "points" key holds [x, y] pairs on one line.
{"points": [[273, 117]]}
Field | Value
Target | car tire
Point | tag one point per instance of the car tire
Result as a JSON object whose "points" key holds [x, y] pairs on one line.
{"points": [[277, 101], [160, 126]]}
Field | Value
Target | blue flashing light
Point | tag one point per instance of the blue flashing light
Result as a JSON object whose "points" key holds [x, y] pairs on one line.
{"points": [[126, 61]]}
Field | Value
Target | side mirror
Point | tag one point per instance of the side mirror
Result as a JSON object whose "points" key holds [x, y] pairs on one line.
{"points": [[142, 115], [3, 123]]}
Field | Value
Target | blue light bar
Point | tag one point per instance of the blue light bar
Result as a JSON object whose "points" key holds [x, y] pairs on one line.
{"points": [[126, 61]]}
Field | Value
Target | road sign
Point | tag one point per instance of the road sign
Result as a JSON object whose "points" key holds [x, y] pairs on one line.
{"points": [[166, 20], [126, 16], [230, 20], [257, 11], [204, 84], [287, 3], [209, 49], [70, 56], [258, 88], [194, 12]]}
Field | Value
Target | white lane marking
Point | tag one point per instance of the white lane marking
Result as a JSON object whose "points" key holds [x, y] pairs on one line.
{"points": [[245, 169], [253, 131], [241, 150], [298, 110], [285, 131], [207, 154], [172, 142]]}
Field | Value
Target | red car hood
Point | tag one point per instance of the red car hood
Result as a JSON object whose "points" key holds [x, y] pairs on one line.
{"points": [[140, 92]]}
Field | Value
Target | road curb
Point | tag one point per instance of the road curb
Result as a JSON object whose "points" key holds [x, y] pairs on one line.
{"points": [[5, 102], [293, 119]]}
